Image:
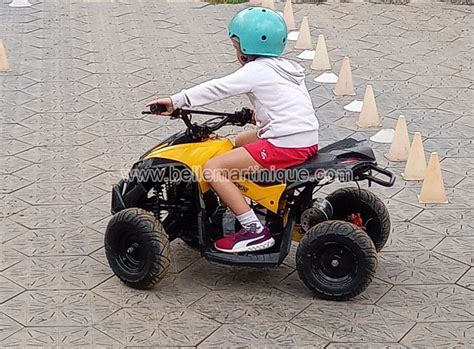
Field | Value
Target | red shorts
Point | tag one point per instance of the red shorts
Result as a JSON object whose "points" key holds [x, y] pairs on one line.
{"points": [[272, 157]]}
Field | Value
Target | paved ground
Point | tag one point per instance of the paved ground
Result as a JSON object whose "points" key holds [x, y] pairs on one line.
{"points": [[70, 121]]}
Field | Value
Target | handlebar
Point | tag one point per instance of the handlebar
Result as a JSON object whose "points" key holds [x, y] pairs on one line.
{"points": [[239, 118]]}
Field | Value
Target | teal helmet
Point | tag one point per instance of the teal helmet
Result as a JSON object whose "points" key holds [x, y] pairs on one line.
{"points": [[260, 31]]}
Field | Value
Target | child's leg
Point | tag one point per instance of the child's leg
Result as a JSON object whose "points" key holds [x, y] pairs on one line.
{"points": [[246, 137], [254, 236], [216, 173]]}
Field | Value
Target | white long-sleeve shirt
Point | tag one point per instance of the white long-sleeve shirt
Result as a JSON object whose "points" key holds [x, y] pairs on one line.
{"points": [[276, 88]]}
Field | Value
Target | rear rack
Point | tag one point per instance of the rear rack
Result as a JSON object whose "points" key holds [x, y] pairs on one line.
{"points": [[366, 174]]}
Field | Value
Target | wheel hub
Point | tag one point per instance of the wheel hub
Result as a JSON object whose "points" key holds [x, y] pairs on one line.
{"points": [[132, 249], [334, 262], [130, 254]]}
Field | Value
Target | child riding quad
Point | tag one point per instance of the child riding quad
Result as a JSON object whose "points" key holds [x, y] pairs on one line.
{"points": [[339, 236], [187, 186]]}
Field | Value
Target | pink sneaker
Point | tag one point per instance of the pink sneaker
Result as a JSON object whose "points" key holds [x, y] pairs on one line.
{"points": [[245, 241]]}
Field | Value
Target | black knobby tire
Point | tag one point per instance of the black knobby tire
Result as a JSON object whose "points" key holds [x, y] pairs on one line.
{"points": [[348, 245], [374, 213], [137, 248]]}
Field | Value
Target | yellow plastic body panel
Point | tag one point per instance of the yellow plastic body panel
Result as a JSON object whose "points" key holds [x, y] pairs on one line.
{"points": [[195, 155]]}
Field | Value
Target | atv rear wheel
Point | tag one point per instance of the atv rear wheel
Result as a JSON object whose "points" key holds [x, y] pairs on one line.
{"points": [[137, 248], [349, 203], [336, 260]]}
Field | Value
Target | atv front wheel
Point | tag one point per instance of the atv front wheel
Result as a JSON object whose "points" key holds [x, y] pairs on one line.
{"points": [[364, 208], [336, 260], [137, 248]]}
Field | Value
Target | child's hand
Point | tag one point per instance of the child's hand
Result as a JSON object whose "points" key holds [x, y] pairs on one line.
{"points": [[167, 102]]}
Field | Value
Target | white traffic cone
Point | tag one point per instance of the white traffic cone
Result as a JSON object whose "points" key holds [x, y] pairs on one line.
{"points": [[344, 85], [415, 169], [400, 147], [321, 57], [20, 3], [4, 66], [369, 116], [432, 190], [304, 37], [288, 15]]}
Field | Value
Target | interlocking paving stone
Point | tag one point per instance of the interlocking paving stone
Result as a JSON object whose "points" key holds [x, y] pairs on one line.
{"points": [[249, 304], [8, 290], [58, 273], [172, 291], [58, 308], [49, 337], [58, 122], [223, 277], [12, 164], [59, 217], [430, 303], [467, 279], [13, 147], [263, 335], [13, 131], [43, 193], [418, 267], [10, 230], [460, 248], [401, 211], [53, 242], [158, 327], [55, 155], [53, 172], [70, 122], [9, 205], [12, 183], [8, 257], [442, 334], [447, 221], [7, 326], [182, 256], [407, 236], [386, 345], [62, 138], [346, 322], [458, 199]]}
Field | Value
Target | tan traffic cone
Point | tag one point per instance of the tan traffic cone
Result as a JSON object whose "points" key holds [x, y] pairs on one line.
{"points": [[4, 67], [369, 116], [304, 37], [415, 169], [344, 85], [288, 15], [268, 4], [400, 147], [321, 57], [432, 190]]}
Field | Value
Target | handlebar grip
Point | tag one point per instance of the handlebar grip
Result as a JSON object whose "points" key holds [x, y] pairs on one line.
{"points": [[243, 116], [157, 108]]}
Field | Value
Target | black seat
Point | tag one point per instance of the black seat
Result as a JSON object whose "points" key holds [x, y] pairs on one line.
{"points": [[329, 157]]}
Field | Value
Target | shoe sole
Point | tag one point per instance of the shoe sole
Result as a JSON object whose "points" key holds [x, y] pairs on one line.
{"points": [[258, 247]]}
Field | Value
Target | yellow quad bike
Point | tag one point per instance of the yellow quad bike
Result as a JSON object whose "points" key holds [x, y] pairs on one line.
{"points": [[165, 197]]}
